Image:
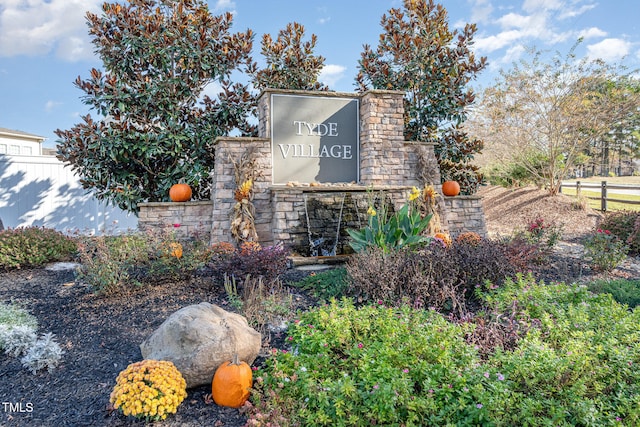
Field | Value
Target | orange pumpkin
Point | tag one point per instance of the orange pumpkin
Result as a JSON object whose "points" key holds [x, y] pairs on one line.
{"points": [[180, 193], [231, 383], [450, 188]]}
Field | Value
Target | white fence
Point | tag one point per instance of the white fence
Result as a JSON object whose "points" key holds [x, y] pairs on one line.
{"points": [[41, 191]]}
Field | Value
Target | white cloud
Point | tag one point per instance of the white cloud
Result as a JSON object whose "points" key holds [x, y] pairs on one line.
{"points": [[500, 40], [50, 105], [39, 27], [481, 12], [536, 23], [592, 32], [331, 73], [323, 15], [514, 20], [609, 49], [572, 13], [224, 5], [533, 6], [513, 54], [534, 27]]}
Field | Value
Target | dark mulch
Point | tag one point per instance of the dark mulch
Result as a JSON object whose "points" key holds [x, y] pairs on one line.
{"points": [[100, 337]]}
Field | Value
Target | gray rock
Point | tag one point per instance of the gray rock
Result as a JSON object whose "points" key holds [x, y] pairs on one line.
{"points": [[199, 338]]}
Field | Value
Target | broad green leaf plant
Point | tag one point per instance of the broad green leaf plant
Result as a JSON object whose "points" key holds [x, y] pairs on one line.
{"points": [[390, 232]]}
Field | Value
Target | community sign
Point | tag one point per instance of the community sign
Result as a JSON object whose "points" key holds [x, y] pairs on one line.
{"points": [[314, 139]]}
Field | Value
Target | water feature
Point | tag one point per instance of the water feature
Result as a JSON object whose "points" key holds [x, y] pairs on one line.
{"points": [[325, 222]]}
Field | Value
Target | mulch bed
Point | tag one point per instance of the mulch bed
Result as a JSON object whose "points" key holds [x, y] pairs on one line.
{"points": [[101, 335]]}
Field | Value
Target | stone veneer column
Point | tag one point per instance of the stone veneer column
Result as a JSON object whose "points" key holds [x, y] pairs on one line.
{"points": [[465, 213], [224, 186], [381, 138]]}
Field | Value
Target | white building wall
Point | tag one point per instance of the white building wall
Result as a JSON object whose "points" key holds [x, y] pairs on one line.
{"points": [[19, 146], [41, 191]]}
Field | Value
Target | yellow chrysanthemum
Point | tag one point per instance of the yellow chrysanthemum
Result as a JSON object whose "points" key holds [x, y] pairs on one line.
{"points": [[145, 387]]}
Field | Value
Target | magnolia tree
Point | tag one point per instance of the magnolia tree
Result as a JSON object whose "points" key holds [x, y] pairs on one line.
{"points": [[421, 56], [545, 115], [152, 126], [290, 61]]}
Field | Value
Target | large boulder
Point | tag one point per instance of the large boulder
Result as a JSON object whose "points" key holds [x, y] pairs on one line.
{"points": [[199, 338]]}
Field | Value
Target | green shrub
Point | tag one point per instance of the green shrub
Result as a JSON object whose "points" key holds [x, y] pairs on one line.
{"points": [[626, 226], [33, 247], [623, 291], [575, 364], [467, 175], [510, 175], [605, 250], [327, 284], [370, 366], [114, 263]]}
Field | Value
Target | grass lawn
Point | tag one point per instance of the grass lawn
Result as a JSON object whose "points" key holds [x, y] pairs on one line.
{"points": [[630, 180], [595, 193], [611, 206]]}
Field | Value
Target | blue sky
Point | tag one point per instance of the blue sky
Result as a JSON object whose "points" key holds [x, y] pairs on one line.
{"points": [[44, 44]]}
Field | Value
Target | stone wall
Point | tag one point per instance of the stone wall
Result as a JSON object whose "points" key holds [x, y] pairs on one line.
{"points": [[186, 219]]}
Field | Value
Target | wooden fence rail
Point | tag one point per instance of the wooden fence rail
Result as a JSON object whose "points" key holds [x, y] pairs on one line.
{"points": [[603, 186]]}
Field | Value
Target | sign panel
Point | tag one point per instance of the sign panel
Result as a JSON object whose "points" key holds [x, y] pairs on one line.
{"points": [[314, 139]]}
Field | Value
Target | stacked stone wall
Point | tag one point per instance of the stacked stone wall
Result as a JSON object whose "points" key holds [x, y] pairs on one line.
{"points": [[185, 219], [465, 213]]}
